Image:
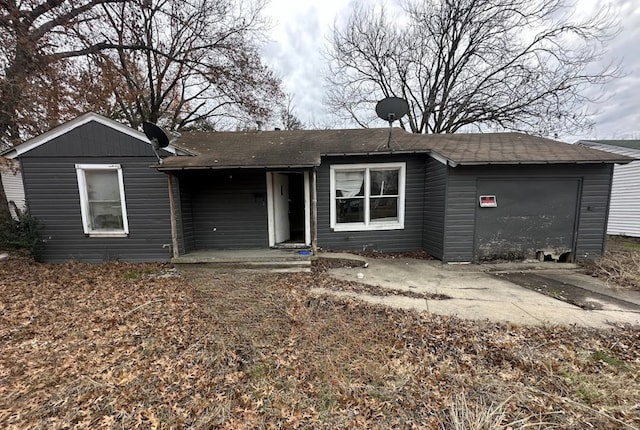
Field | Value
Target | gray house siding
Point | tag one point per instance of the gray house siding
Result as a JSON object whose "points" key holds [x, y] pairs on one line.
{"points": [[459, 228], [435, 190], [408, 239], [51, 187], [462, 204], [51, 190], [228, 208], [594, 210]]}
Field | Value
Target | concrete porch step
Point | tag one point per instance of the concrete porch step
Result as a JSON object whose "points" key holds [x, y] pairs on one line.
{"points": [[266, 260]]}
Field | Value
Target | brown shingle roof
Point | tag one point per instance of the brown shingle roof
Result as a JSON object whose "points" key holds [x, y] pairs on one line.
{"points": [[304, 148]]}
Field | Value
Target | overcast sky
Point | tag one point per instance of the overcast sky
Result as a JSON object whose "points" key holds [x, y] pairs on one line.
{"points": [[301, 29]]}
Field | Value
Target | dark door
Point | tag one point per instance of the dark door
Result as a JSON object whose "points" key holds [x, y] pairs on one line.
{"points": [[533, 217]]}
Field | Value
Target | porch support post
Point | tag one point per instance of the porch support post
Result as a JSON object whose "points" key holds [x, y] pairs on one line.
{"points": [[172, 216], [314, 213]]}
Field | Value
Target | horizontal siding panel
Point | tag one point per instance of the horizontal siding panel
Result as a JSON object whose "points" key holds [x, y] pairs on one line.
{"points": [[13, 186], [93, 141], [624, 212], [52, 194], [462, 203], [225, 210], [409, 239]]}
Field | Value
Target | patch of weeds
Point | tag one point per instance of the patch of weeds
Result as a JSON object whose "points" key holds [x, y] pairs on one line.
{"points": [[151, 348], [465, 415], [327, 401], [258, 371], [556, 294], [603, 356], [584, 388]]}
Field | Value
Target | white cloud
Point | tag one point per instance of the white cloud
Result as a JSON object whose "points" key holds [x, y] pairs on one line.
{"points": [[301, 29]]}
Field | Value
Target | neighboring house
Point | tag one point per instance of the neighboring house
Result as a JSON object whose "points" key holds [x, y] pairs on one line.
{"points": [[100, 193], [13, 187], [624, 214]]}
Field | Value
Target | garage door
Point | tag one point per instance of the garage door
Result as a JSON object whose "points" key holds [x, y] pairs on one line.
{"points": [[531, 216]]}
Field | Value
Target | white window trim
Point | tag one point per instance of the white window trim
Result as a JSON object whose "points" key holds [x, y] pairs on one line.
{"points": [[367, 224], [84, 200]]}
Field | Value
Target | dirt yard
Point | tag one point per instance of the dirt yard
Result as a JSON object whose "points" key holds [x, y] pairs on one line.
{"points": [[140, 346]]}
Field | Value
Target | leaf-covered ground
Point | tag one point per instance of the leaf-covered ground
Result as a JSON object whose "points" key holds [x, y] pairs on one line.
{"points": [[137, 346]]}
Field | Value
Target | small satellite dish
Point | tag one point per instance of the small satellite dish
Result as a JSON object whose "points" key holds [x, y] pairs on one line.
{"points": [[155, 135], [391, 109]]}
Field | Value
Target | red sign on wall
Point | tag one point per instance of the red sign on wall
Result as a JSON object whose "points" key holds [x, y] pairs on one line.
{"points": [[488, 202]]}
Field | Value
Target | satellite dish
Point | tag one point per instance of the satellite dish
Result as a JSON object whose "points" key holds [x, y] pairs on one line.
{"points": [[391, 109], [155, 135]]}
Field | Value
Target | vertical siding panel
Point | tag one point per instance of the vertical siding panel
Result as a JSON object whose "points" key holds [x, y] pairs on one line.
{"points": [[186, 216], [434, 208], [460, 216], [594, 210]]}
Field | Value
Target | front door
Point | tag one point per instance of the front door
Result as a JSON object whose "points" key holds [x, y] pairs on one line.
{"points": [[281, 207], [289, 208]]}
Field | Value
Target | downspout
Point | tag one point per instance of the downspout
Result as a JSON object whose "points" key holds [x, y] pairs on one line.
{"points": [[172, 216]]}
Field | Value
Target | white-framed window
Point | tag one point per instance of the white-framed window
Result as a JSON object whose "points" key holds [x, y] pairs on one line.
{"points": [[102, 202], [367, 196]]}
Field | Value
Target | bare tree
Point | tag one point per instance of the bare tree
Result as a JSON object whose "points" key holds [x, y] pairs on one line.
{"points": [[36, 45], [506, 64], [288, 116], [40, 40], [201, 65], [185, 60]]}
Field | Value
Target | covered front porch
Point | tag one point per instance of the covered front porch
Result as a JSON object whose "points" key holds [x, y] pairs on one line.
{"points": [[240, 215]]}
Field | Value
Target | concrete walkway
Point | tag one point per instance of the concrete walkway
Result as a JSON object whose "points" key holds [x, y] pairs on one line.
{"points": [[477, 294]]}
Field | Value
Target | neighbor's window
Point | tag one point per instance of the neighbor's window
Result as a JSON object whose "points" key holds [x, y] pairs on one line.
{"points": [[367, 196], [102, 202]]}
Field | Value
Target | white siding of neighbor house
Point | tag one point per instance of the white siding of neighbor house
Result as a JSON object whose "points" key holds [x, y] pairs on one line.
{"points": [[624, 212], [13, 187]]}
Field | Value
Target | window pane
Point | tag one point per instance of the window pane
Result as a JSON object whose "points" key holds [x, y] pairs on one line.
{"points": [[384, 209], [102, 185], [350, 210], [384, 182], [105, 216], [349, 184], [105, 207]]}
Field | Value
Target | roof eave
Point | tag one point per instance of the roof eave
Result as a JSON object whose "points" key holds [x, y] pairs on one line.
{"points": [[540, 162], [163, 168]]}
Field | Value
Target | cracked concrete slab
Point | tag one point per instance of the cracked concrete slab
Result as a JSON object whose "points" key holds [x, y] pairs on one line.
{"points": [[475, 293]]}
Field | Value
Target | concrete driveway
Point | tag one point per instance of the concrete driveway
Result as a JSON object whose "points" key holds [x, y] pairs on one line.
{"points": [[481, 292]]}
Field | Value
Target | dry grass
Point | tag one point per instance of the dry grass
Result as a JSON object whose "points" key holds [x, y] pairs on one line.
{"points": [[133, 346], [620, 266]]}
